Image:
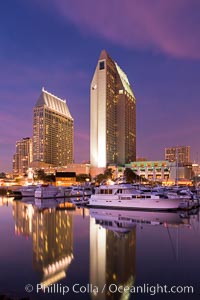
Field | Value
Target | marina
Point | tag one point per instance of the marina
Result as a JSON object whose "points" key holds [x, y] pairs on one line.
{"points": [[116, 196], [53, 239], [124, 196]]}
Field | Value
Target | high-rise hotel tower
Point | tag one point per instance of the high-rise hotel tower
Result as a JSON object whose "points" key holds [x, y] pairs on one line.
{"points": [[112, 115], [53, 131], [23, 156]]}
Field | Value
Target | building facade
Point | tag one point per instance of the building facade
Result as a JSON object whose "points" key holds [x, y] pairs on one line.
{"points": [[179, 153], [161, 171], [112, 115], [53, 131], [65, 178], [22, 157], [151, 170]]}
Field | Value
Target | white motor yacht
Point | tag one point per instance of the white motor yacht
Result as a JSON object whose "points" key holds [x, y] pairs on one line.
{"points": [[28, 191], [124, 196], [51, 191]]}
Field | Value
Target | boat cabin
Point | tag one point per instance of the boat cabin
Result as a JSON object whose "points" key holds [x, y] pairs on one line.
{"points": [[114, 190]]}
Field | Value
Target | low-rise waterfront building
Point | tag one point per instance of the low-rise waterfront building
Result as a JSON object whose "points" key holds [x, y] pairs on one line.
{"points": [[50, 169], [151, 170], [162, 171], [65, 178]]}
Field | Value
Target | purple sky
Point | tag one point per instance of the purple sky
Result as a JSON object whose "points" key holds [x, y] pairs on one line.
{"points": [[56, 44]]}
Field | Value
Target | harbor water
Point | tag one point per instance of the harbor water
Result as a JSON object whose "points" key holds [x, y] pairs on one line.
{"points": [[56, 250]]}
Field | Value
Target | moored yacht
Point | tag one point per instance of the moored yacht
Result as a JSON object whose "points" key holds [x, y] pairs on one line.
{"points": [[50, 191], [124, 196], [80, 191], [80, 201], [77, 191], [182, 193], [28, 191]]}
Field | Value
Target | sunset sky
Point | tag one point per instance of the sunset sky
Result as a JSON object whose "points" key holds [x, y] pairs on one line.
{"points": [[55, 44]]}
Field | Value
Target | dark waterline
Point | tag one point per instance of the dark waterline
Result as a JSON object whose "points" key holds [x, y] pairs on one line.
{"points": [[89, 254]]}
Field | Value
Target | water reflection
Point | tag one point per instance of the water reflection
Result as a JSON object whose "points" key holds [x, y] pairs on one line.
{"points": [[4, 201], [124, 221], [23, 215], [52, 237], [112, 255], [113, 246], [56, 233], [52, 244]]}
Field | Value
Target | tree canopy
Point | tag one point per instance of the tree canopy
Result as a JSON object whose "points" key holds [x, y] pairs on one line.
{"points": [[41, 175], [83, 177], [108, 174], [130, 176]]}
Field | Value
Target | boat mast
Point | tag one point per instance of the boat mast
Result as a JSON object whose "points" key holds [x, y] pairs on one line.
{"points": [[176, 180]]}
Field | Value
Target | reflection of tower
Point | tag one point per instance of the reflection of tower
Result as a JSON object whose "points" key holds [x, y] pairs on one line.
{"points": [[23, 215], [52, 244], [112, 260]]}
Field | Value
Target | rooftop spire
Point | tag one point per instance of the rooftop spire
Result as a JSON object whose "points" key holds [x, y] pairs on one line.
{"points": [[103, 55]]}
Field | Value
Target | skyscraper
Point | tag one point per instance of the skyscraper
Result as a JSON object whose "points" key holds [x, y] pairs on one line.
{"points": [[23, 156], [179, 153], [112, 115], [53, 131]]}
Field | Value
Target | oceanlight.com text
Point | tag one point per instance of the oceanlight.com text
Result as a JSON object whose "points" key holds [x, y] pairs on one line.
{"points": [[112, 288]]}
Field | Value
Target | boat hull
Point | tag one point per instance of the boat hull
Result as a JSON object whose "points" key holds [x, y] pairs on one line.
{"points": [[144, 204], [43, 192], [28, 193], [46, 192]]}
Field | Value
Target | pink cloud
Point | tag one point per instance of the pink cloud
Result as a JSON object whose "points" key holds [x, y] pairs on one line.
{"points": [[14, 73], [170, 27]]}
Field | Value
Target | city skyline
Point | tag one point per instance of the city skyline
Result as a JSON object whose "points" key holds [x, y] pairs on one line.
{"points": [[57, 46]]}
